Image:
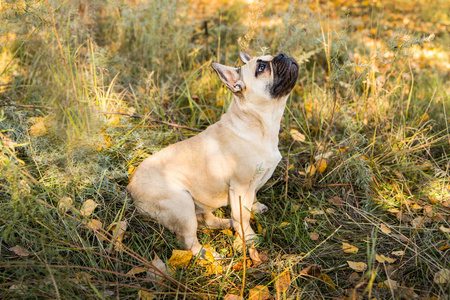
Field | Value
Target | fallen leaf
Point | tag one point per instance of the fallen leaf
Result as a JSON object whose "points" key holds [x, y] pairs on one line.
{"points": [[141, 89], [283, 224], [389, 284], [64, 204], [398, 253], [259, 292], [295, 207], [180, 258], [282, 283], [83, 277], [311, 170], [354, 278], [233, 297], [328, 280], [239, 265], [94, 224], [325, 155], [160, 265], [357, 266], [314, 236], [114, 120], [118, 229], [145, 295], [297, 136], [336, 201], [227, 232], [321, 166], [445, 247], [39, 128], [311, 270], [254, 255], [131, 170], [416, 207], [317, 212], [417, 222], [442, 276], [214, 269], [443, 229], [349, 248], [137, 270], [312, 221], [401, 237], [381, 259], [88, 207], [20, 251], [385, 229]]}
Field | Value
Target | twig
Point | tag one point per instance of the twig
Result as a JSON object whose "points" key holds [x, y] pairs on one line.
{"points": [[243, 247], [25, 105], [152, 120]]}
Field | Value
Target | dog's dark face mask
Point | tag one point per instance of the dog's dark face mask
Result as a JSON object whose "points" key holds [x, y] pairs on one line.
{"points": [[285, 74]]}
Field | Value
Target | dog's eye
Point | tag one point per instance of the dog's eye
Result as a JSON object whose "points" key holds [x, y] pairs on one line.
{"points": [[261, 67]]}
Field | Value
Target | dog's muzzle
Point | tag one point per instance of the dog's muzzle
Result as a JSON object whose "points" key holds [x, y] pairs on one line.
{"points": [[285, 74]]}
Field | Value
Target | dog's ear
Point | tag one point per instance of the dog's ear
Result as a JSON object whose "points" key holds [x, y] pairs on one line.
{"points": [[244, 57], [230, 76]]}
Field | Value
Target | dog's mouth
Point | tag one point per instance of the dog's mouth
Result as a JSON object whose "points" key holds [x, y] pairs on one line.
{"points": [[285, 74]]}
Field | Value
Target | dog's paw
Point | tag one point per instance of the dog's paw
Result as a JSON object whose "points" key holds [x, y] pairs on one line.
{"points": [[259, 208]]}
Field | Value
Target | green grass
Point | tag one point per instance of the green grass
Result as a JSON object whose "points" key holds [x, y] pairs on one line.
{"points": [[373, 93]]}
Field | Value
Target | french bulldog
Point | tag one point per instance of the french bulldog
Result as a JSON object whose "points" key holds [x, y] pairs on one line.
{"points": [[227, 163]]}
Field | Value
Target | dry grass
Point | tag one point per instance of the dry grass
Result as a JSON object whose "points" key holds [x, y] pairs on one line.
{"points": [[372, 100]]}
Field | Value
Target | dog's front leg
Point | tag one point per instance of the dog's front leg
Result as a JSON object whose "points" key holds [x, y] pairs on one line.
{"points": [[240, 215]]}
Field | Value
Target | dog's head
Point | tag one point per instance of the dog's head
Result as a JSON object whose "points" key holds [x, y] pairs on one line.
{"points": [[262, 78]]}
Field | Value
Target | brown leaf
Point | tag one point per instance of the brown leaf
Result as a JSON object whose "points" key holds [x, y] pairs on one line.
{"points": [[233, 297], [384, 228], [354, 278], [321, 165], [20, 251], [389, 284], [297, 136], [444, 229], [239, 265], [349, 248], [94, 224], [357, 266], [417, 222], [145, 295], [381, 259], [312, 221], [88, 207], [328, 280], [336, 201], [311, 270], [311, 170], [254, 255], [401, 237], [282, 283], [161, 266], [314, 236], [64, 204], [398, 253], [137, 270], [118, 229], [259, 292]]}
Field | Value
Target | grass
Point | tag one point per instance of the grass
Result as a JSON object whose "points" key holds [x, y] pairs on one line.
{"points": [[372, 100]]}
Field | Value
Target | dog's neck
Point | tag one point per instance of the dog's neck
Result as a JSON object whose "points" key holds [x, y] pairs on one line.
{"points": [[260, 123]]}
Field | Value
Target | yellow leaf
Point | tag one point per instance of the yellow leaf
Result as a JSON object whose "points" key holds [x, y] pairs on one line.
{"points": [[214, 269], [131, 170], [349, 248], [311, 170], [220, 103], [445, 247], [297, 136], [88, 207], [64, 204], [357, 266], [108, 142], [227, 232], [381, 259], [384, 228], [389, 284], [144, 295], [141, 89], [137, 270], [209, 256], [259, 292], [328, 280], [20, 251], [322, 165], [118, 229], [444, 229], [232, 297], [398, 253], [39, 128], [283, 224], [94, 224], [114, 120], [180, 258], [282, 283], [442, 276]]}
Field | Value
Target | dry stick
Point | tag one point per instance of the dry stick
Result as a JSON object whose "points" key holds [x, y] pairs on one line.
{"points": [[243, 247], [26, 106], [151, 120]]}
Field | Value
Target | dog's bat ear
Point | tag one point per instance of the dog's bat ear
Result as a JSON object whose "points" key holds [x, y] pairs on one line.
{"points": [[244, 57], [230, 76]]}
